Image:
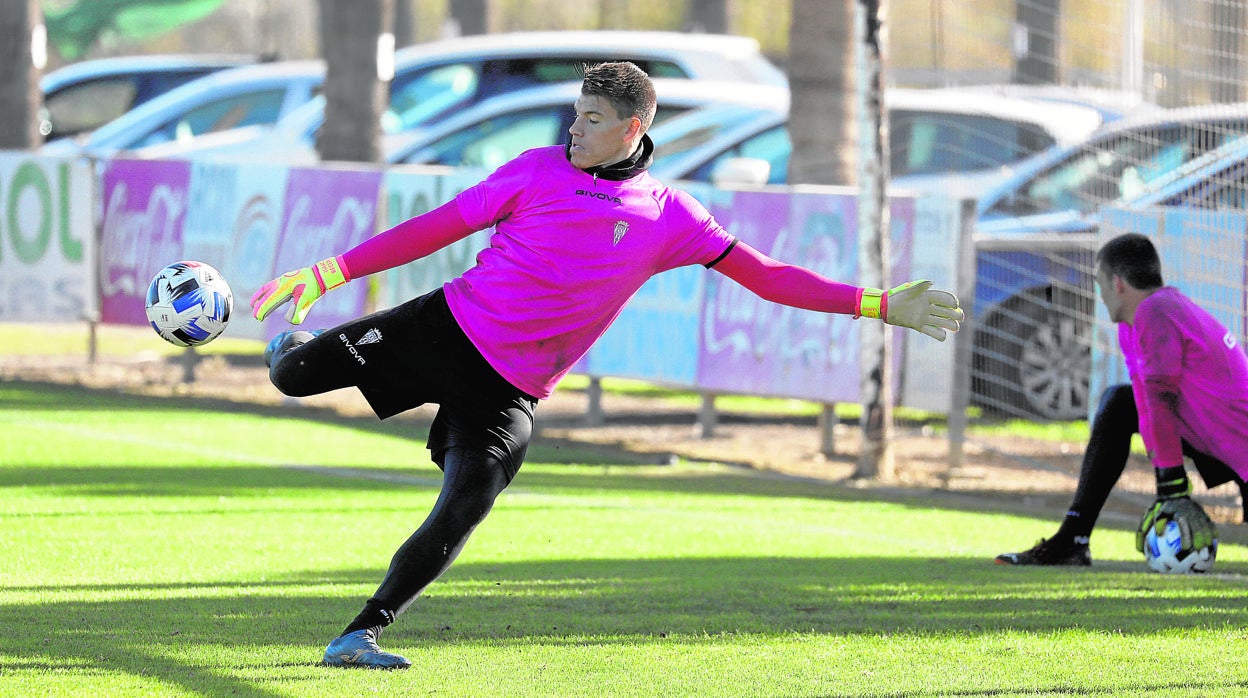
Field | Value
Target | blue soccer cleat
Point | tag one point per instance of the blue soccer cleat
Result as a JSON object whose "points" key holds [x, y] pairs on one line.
{"points": [[279, 343], [359, 649]]}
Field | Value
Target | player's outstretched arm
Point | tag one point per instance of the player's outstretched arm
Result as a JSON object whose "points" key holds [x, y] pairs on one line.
{"points": [[915, 305], [410, 240]]}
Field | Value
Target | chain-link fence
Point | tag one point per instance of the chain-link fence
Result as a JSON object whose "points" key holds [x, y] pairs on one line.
{"points": [[1169, 162]]}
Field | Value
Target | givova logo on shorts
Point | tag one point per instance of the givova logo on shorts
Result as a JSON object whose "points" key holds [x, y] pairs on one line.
{"points": [[372, 336]]}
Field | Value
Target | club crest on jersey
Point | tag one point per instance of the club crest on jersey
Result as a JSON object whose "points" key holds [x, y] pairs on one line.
{"points": [[621, 228]]}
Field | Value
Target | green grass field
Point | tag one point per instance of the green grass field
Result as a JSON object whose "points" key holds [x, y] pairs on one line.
{"points": [[158, 547]]}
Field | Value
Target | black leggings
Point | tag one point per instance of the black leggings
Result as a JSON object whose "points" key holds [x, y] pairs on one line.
{"points": [[1109, 447], [470, 485]]}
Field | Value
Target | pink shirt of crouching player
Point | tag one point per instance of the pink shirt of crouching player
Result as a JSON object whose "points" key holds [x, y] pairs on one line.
{"points": [[1189, 376]]}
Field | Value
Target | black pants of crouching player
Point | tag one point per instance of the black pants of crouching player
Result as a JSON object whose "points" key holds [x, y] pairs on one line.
{"points": [[401, 358], [1109, 446]]}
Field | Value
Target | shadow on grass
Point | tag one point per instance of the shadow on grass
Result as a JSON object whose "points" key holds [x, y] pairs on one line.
{"points": [[604, 602]]}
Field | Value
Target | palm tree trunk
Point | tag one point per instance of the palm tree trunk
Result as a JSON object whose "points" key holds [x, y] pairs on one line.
{"points": [[20, 97], [354, 96]]}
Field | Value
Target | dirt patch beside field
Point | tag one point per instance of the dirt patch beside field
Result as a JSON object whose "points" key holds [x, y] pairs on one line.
{"points": [[1006, 473]]}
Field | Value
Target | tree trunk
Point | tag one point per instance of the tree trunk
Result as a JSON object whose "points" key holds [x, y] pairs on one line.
{"points": [[821, 77], [20, 97], [822, 112], [875, 460], [354, 95], [708, 16]]}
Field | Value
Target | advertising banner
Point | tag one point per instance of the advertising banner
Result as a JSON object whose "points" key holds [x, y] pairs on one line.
{"points": [[753, 346], [325, 213], [233, 223], [144, 207], [47, 255]]}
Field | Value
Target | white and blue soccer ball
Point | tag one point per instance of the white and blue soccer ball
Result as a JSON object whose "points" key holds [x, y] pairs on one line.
{"points": [[1165, 552], [189, 303]]}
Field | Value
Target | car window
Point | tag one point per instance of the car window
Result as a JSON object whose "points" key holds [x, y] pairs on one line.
{"points": [[514, 73], [421, 97], [87, 106], [156, 84], [1119, 167], [240, 110], [699, 130], [493, 142], [933, 143], [772, 145], [1228, 190]]}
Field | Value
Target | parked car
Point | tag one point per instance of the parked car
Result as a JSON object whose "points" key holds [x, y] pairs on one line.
{"points": [[439, 79], [227, 99], [1217, 180], [432, 80], [1117, 161], [83, 96], [485, 135], [934, 134], [1033, 350], [506, 126], [1112, 104]]}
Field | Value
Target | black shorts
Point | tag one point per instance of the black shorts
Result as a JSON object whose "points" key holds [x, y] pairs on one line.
{"points": [[416, 353]]}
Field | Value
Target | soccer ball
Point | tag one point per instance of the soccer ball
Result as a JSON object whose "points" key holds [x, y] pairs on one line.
{"points": [[189, 303], [1164, 553]]}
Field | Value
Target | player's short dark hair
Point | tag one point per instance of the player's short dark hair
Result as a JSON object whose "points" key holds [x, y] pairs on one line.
{"points": [[625, 86], [1133, 257]]}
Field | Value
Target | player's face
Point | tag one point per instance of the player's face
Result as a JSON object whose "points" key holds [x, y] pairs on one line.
{"points": [[599, 135], [1111, 295]]}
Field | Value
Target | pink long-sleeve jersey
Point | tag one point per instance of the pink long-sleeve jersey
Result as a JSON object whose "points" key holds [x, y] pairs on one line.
{"points": [[568, 251], [1176, 347]]}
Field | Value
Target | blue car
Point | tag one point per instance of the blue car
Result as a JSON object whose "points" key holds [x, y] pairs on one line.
{"points": [[1035, 237]]}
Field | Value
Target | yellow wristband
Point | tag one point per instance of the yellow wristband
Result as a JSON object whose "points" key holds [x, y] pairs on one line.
{"points": [[331, 273], [870, 303]]}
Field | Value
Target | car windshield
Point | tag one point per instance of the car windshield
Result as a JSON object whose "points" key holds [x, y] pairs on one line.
{"points": [[87, 107], [936, 142], [1119, 167], [695, 129], [429, 94]]}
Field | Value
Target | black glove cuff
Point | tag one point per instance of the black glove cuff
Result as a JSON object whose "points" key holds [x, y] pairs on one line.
{"points": [[1172, 482]]}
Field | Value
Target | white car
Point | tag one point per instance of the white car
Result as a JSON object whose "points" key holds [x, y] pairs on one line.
{"points": [[228, 99], [498, 130], [940, 140]]}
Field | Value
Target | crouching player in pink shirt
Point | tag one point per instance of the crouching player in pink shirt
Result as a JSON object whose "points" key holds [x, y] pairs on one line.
{"points": [[577, 230], [1188, 399]]}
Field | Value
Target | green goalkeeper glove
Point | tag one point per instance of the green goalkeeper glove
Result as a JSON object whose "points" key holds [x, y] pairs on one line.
{"points": [[1196, 529], [916, 305], [302, 287]]}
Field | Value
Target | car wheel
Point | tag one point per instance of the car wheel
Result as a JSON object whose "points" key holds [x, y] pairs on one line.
{"points": [[1035, 358]]}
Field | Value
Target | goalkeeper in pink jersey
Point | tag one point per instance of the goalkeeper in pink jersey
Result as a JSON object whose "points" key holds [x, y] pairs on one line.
{"points": [[1188, 399], [577, 230]]}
